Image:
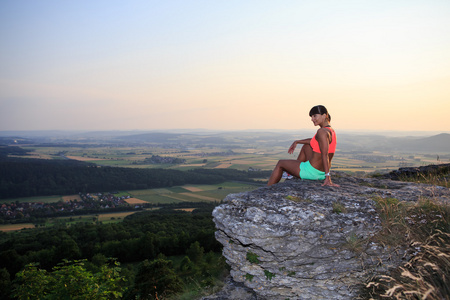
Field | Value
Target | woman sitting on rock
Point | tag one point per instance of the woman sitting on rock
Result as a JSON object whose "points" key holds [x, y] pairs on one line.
{"points": [[314, 160]]}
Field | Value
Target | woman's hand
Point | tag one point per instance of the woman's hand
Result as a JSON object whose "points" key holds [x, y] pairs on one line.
{"points": [[328, 182], [292, 147]]}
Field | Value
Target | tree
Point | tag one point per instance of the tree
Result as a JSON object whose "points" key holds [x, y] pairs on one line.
{"points": [[186, 265], [195, 252], [156, 278], [69, 280], [5, 284]]}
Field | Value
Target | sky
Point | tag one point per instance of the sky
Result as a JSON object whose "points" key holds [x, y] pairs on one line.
{"points": [[224, 65]]}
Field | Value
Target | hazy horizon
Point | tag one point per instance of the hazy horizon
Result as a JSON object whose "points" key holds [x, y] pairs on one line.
{"points": [[50, 132], [377, 65]]}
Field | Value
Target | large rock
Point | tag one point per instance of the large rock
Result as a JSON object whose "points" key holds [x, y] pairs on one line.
{"points": [[287, 242], [441, 170]]}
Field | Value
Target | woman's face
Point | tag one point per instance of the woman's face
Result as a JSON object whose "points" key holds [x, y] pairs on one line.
{"points": [[318, 119]]}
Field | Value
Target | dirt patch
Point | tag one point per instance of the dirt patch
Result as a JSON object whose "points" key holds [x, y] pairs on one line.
{"points": [[105, 217], [71, 197], [134, 201], [223, 166], [186, 209], [15, 227], [199, 196]]}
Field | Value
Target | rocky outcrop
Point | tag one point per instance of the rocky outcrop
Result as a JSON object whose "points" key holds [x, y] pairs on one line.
{"points": [[442, 170], [300, 240]]}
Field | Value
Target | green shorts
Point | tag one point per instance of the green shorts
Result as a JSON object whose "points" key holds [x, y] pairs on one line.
{"points": [[309, 172]]}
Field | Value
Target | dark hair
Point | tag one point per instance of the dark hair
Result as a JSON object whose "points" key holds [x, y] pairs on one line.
{"points": [[320, 109]]}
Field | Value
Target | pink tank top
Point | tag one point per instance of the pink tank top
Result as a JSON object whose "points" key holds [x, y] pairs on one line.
{"points": [[331, 148]]}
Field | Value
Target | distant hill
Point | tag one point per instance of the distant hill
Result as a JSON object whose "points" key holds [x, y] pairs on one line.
{"points": [[154, 137], [14, 140], [347, 141], [436, 143]]}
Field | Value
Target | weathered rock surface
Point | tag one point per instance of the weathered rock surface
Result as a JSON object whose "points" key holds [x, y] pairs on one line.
{"points": [[441, 169], [286, 242]]}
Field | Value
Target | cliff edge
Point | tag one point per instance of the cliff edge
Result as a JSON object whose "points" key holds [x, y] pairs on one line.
{"points": [[300, 240]]}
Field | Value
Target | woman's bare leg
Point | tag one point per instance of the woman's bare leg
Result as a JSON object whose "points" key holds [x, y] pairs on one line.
{"points": [[305, 153], [289, 165]]}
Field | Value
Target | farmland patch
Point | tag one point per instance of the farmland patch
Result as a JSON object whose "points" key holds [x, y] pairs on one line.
{"points": [[223, 166], [194, 195], [134, 201], [81, 158], [71, 198], [192, 188], [15, 227], [186, 209]]}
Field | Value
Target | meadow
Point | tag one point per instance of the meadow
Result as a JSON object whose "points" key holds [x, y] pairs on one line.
{"points": [[234, 158], [176, 194]]}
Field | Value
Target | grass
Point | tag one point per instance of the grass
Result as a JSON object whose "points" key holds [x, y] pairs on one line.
{"points": [[203, 279], [298, 199], [430, 178], [43, 199], [425, 227], [339, 208], [15, 227], [354, 243], [425, 276]]}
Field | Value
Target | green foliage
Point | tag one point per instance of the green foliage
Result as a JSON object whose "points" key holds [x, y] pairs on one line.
{"points": [[253, 258], [436, 176], [186, 265], [69, 280], [155, 279], [249, 277], [339, 208], [12, 150], [138, 237], [269, 275], [425, 276], [5, 284], [298, 199], [425, 225], [39, 177], [354, 243], [195, 252]]}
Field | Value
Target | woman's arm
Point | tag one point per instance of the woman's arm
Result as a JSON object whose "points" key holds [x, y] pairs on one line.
{"points": [[295, 143], [324, 142]]}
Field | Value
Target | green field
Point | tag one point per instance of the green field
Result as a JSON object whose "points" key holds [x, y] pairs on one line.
{"points": [[191, 193], [43, 199], [240, 155], [176, 194]]}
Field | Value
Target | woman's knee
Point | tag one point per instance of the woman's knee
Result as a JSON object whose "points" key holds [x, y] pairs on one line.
{"points": [[281, 163], [305, 153], [288, 165]]}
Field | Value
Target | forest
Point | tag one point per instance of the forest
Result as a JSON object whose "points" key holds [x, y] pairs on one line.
{"points": [[165, 240], [27, 177], [140, 240]]}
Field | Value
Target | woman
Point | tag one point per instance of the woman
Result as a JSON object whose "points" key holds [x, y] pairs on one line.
{"points": [[314, 160]]}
